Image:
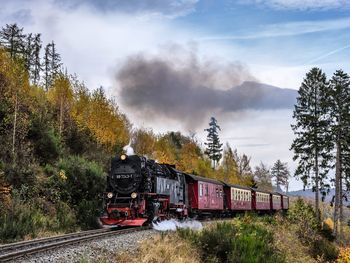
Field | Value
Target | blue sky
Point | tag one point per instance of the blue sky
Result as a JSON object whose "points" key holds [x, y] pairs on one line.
{"points": [[272, 41]]}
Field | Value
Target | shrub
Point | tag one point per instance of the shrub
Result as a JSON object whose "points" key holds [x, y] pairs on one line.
{"points": [[83, 179], [20, 220], [304, 216], [228, 242], [66, 217], [324, 248], [47, 144], [87, 213], [82, 184]]}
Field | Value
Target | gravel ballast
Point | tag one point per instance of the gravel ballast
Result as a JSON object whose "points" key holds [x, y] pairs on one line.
{"points": [[92, 251]]}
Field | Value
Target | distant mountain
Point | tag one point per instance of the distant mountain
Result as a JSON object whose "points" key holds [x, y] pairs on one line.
{"points": [[254, 95], [309, 194]]}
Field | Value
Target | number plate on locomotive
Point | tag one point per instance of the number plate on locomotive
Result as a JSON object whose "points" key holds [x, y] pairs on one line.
{"points": [[124, 176]]}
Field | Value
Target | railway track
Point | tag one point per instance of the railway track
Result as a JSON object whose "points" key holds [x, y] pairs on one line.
{"points": [[10, 252]]}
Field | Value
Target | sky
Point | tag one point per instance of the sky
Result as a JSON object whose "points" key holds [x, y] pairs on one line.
{"points": [[202, 44]]}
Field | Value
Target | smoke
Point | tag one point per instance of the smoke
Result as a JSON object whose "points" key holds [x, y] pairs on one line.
{"points": [[172, 225], [128, 149], [180, 86]]}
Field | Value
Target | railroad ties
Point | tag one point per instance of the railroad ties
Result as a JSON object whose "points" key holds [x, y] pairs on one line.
{"points": [[13, 251]]}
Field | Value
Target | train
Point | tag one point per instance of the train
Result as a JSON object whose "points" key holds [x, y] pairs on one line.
{"points": [[140, 191]]}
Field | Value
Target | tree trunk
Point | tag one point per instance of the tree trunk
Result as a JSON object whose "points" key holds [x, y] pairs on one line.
{"points": [[61, 117], [317, 204], [341, 214], [14, 130], [337, 191]]}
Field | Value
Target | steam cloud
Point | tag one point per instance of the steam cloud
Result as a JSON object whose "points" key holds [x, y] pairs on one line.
{"points": [[173, 225], [188, 90]]}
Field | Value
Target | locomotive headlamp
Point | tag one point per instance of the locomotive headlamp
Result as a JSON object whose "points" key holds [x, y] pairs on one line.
{"points": [[110, 195], [123, 157], [133, 195]]}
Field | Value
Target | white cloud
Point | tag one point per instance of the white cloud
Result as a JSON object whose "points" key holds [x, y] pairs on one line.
{"points": [[167, 8], [286, 29], [301, 4]]}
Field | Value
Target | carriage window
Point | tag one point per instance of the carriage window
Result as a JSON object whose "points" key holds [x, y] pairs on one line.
{"points": [[200, 190], [206, 190]]}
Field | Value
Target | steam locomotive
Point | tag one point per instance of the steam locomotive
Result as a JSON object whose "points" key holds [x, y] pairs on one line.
{"points": [[140, 191]]}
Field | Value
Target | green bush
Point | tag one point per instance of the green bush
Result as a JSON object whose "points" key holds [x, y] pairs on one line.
{"points": [[83, 179], [228, 242], [66, 217], [304, 216], [46, 142], [87, 214], [82, 185], [20, 220], [324, 248]]}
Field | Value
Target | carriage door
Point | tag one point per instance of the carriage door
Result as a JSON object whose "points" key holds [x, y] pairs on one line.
{"points": [[207, 196]]}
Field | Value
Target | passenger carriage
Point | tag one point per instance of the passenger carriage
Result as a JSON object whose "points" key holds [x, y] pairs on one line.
{"points": [[276, 201], [261, 200], [204, 194], [238, 198], [285, 202]]}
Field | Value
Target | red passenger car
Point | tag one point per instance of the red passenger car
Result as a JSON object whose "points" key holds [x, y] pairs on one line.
{"points": [[204, 194], [285, 202], [276, 201], [261, 200], [238, 198]]}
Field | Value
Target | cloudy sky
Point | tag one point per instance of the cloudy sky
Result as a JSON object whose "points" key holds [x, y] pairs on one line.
{"points": [[190, 47]]}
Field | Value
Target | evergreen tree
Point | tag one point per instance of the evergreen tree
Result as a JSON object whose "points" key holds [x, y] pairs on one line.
{"points": [[52, 64], [312, 144], [339, 112], [213, 149], [36, 66], [55, 61], [28, 52], [13, 39], [280, 172]]}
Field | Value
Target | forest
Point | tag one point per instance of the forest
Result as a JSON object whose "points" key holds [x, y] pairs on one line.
{"points": [[57, 137]]}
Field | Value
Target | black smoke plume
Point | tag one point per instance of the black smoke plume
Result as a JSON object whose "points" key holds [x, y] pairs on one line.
{"points": [[189, 91]]}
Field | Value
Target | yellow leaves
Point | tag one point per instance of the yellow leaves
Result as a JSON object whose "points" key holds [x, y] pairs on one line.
{"points": [[344, 255], [61, 91], [62, 175], [144, 142], [101, 116], [329, 222]]}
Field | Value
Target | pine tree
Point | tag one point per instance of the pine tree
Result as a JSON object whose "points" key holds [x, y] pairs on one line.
{"points": [[312, 144], [13, 39], [55, 61], [280, 172], [36, 66], [52, 64], [28, 52], [213, 149], [339, 112]]}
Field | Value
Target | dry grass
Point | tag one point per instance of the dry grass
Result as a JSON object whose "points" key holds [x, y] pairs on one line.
{"points": [[162, 249], [289, 245]]}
